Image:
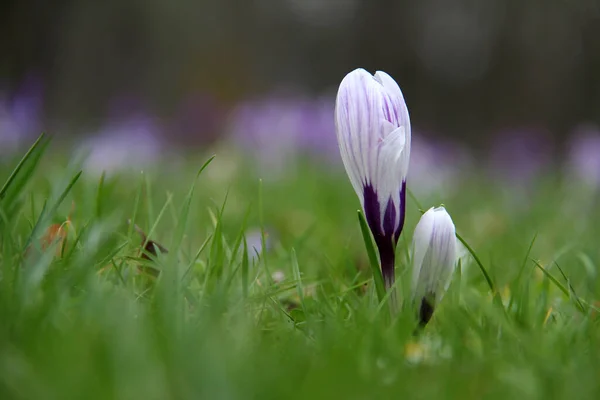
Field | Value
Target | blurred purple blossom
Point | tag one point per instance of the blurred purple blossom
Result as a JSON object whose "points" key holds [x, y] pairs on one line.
{"points": [[132, 141], [436, 165], [583, 157], [519, 156], [20, 115], [278, 128]]}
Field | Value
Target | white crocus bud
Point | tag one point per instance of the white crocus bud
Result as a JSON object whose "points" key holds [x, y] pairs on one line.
{"points": [[434, 259], [373, 132]]}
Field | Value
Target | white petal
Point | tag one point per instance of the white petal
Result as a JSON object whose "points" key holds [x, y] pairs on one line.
{"points": [[393, 89], [373, 131], [420, 246], [434, 253], [353, 126], [390, 164], [443, 247], [389, 84]]}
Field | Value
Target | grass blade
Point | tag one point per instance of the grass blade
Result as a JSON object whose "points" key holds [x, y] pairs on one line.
{"points": [[196, 256], [552, 278], [239, 238], [263, 239], [206, 163], [245, 263], [44, 215], [20, 165], [487, 277], [518, 279], [99, 194], [571, 288], [217, 249], [297, 278], [559, 285]]}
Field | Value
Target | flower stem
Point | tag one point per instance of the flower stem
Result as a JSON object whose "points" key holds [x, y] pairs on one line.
{"points": [[388, 259]]}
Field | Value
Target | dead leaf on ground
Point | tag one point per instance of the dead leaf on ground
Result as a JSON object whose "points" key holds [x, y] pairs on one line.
{"points": [[56, 234]]}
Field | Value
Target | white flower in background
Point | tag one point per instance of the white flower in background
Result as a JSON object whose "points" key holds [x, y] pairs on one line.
{"points": [[254, 244], [434, 259], [437, 165], [373, 133]]}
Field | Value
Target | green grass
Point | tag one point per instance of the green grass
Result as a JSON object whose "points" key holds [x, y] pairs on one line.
{"points": [[92, 317]]}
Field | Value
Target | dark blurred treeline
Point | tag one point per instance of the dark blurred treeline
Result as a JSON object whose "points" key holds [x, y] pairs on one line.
{"points": [[465, 66]]}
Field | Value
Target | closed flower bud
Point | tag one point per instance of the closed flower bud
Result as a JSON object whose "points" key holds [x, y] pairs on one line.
{"points": [[434, 259], [373, 132]]}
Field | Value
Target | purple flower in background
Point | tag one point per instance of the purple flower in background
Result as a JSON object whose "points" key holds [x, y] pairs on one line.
{"points": [[279, 128], [267, 129], [131, 141], [519, 156], [316, 132], [436, 164], [20, 115], [583, 158], [10, 134], [373, 132]]}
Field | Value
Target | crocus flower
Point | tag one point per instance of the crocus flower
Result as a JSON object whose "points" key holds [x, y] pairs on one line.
{"points": [[373, 132], [20, 115], [519, 156], [434, 259]]}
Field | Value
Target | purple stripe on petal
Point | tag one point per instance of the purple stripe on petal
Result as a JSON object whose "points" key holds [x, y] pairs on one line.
{"points": [[402, 212], [372, 211], [387, 114], [389, 219]]}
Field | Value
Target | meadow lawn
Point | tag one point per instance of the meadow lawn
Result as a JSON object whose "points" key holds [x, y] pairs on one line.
{"points": [[261, 288]]}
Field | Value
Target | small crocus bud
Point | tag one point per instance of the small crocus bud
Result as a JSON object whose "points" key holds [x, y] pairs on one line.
{"points": [[373, 132], [434, 259]]}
